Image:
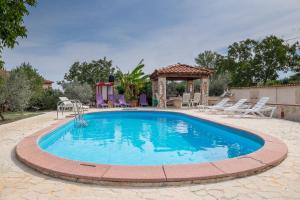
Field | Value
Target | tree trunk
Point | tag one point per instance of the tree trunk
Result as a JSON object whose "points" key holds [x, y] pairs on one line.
{"points": [[1, 116]]}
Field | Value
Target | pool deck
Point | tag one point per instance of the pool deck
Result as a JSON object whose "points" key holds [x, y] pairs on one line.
{"points": [[17, 181], [271, 154]]}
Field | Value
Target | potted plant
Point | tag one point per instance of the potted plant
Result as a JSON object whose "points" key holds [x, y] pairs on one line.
{"points": [[133, 82], [134, 101]]}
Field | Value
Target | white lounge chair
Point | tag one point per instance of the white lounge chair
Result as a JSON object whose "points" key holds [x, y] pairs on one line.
{"points": [[258, 109], [238, 105], [196, 100], [220, 105], [186, 100], [67, 104]]}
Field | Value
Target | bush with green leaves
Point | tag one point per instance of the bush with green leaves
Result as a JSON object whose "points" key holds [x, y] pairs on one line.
{"points": [[76, 90], [17, 89], [50, 98], [120, 89], [218, 84]]}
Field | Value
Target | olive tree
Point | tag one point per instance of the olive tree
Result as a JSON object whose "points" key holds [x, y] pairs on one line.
{"points": [[219, 80], [14, 92], [18, 91], [76, 90]]}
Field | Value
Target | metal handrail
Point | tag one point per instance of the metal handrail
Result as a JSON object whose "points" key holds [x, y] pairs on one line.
{"points": [[76, 106]]}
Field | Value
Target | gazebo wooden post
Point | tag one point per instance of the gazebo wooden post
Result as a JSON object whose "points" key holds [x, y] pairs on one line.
{"points": [[204, 90], [162, 83]]}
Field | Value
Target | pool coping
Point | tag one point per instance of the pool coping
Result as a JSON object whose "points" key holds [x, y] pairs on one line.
{"points": [[271, 154]]}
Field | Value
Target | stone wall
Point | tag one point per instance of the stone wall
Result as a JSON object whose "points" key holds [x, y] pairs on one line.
{"points": [[285, 98]]}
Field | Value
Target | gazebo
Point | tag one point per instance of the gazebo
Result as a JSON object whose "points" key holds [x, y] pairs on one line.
{"points": [[179, 72]]}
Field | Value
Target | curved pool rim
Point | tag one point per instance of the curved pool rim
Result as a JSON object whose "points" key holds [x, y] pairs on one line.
{"points": [[269, 155]]}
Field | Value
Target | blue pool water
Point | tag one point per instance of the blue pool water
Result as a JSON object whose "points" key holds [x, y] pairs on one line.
{"points": [[147, 138]]}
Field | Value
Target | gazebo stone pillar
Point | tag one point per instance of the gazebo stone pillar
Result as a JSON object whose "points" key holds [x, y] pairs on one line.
{"points": [[162, 83], [154, 89], [190, 87], [204, 90]]}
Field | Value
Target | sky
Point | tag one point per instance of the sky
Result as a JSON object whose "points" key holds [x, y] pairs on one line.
{"points": [[162, 32]]}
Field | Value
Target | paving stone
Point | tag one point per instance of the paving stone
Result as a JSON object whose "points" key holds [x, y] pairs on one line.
{"points": [[18, 181]]}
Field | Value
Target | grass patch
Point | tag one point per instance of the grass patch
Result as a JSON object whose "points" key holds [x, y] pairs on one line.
{"points": [[15, 116]]}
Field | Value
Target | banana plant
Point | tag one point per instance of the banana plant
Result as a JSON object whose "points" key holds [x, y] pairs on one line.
{"points": [[133, 82]]}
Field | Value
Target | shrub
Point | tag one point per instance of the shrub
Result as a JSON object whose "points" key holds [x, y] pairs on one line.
{"points": [[120, 89], [50, 98], [218, 84]]}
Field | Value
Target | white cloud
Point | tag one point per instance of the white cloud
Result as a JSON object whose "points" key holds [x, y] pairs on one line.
{"points": [[204, 25]]}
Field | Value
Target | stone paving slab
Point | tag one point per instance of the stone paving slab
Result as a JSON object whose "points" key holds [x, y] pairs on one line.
{"points": [[18, 181]]}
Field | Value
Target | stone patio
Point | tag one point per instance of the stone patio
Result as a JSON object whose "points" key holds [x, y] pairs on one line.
{"points": [[18, 181]]}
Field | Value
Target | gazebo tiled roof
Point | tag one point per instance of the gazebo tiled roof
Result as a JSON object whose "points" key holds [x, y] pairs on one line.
{"points": [[181, 70]]}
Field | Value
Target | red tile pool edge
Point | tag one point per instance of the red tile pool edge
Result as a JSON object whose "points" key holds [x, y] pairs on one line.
{"points": [[271, 154]]}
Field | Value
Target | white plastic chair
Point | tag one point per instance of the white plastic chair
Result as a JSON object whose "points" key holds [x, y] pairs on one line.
{"points": [[65, 104], [196, 100], [220, 105], [258, 109], [186, 100], [238, 105]]}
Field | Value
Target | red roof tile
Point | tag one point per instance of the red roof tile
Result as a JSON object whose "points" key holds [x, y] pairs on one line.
{"points": [[181, 69]]}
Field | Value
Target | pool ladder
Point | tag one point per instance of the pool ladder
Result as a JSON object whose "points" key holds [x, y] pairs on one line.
{"points": [[78, 114]]}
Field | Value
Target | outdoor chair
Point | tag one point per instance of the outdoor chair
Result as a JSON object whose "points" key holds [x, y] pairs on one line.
{"points": [[143, 100], [67, 104], [219, 106], [122, 101], [196, 100], [113, 99], [238, 105], [100, 102], [186, 100], [258, 109]]}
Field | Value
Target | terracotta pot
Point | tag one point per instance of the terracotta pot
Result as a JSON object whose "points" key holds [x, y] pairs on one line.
{"points": [[133, 103]]}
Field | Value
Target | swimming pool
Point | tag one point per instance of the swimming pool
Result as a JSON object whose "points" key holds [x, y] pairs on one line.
{"points": [[148, 138]]}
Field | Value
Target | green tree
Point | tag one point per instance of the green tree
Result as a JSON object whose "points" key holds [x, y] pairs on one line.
{"points": [[180, 88], [35, 79], [295, 77], [17, 91], [219, 80], [239, 63], [91, 73], [11, 22], [208, 59], [3, 95], [272, 54], [35, 83], [76, 90], [133, 82], [251, 62]]}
